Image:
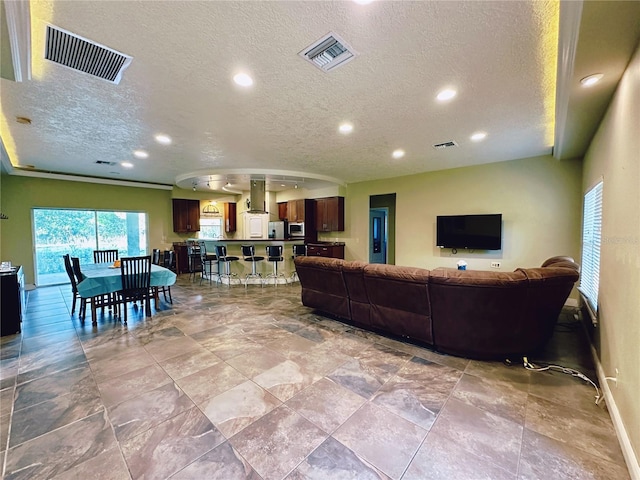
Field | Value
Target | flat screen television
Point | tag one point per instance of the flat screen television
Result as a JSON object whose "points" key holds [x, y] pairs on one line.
{"points": [[476, 232]]}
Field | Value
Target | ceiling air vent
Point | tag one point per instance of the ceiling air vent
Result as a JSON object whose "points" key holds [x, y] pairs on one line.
{"points": [[104, 162], [328, 53], [449, 144], [75, 52]]}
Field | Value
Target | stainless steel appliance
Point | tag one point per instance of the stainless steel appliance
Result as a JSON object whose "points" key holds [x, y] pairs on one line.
{"points": [[277, 230], [296, 229]]}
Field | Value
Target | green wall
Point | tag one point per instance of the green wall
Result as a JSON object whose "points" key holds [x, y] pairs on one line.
{"points": [[540, 200], [614, 157]]}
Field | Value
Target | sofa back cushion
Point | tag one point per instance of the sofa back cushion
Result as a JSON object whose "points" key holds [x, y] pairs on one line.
{"points": [[353, 274], [322, 284], [399, 299], [479, 313]]}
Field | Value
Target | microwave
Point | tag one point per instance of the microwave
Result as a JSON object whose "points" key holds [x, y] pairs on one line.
{"points": [[296, 229]]}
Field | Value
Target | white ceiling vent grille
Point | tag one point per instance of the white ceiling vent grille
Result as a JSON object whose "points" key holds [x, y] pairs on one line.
{"points": [[328, 53], [443, 145], [75, 52]]}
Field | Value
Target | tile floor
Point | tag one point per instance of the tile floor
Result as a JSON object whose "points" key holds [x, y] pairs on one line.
{"points": [[229, 383]]}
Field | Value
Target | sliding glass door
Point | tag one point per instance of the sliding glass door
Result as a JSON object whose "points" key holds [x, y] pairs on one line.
{"points": [[79, 232]]}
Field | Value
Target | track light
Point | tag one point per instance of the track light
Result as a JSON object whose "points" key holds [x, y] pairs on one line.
{"points": [[295, 186], [194, 188]]}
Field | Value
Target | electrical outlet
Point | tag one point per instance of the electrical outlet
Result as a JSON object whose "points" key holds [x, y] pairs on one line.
{"points": [[495, 264]]}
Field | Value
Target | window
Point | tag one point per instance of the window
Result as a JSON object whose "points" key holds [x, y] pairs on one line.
{"points": [[591, 241], [57, 232], [210, 228]]}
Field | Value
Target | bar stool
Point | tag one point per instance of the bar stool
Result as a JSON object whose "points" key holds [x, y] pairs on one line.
{"points": [[274, 254], [221, 253], [249, 255], [207, 260], [299, 250]]}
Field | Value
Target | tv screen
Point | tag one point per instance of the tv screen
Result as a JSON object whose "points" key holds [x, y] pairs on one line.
{"points": [[480, 232]]}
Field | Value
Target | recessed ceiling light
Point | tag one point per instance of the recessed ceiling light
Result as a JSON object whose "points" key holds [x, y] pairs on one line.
{"points": [[346, 128], [478, 136], [163, 139], [399, 153], [127, 164], [243, 80], [282, 185], [591, 79], [140, 154], [446, 94]]}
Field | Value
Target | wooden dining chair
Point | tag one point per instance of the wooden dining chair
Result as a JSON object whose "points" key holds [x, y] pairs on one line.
{"points": [[135, 273], [162, 261], [77, 272], [74, 287], [104, 256]]}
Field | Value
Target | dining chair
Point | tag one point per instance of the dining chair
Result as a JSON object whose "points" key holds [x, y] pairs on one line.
{"points": [[249, 255], [74, 288], [77, 272], [135, 273], [274, 254], [169, 260], [157, 259], [106, 300], [104, 256], [207, 260]]}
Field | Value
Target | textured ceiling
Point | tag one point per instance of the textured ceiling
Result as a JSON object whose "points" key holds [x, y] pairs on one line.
{"points": [[500, 56]]}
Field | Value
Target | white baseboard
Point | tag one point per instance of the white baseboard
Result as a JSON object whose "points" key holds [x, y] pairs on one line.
{"points": [[621, 432]]}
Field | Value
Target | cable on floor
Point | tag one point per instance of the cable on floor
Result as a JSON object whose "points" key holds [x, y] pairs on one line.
{"points": [[566, 370]]}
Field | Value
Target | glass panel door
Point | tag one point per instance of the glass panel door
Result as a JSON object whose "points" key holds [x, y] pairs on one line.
{"points": [[79, 233], [56, 233]]}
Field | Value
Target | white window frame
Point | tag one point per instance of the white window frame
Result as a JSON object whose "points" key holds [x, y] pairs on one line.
{"points": [[215, 223], [591, 245]]}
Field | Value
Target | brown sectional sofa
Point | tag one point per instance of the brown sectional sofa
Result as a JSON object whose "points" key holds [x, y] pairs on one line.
{"points": [[471, 313]]}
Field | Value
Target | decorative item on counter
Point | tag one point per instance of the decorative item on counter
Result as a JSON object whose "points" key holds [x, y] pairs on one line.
{"points": [[462, 265], [116, 264]]}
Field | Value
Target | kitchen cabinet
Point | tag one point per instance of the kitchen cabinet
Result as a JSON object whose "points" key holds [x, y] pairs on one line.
{"points": [[301, 210], [282, 211], [330, 214], [329, 250], [230, 217], [186, 215], [13, 303]]}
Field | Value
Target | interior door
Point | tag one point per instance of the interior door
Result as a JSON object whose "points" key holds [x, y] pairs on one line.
{"points": [[377, 235]]}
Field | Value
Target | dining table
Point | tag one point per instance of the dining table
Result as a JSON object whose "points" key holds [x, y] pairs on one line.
{"points": [[101, 279]]}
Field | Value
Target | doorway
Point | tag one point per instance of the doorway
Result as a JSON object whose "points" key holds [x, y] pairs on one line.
{"points": [[382, 220], [378, 235]]}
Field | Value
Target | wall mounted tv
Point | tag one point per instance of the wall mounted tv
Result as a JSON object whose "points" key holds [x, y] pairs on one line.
{"points": [[475, 232]]}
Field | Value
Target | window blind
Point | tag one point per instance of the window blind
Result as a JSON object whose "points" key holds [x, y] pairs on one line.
{"points": [[591, 241]]}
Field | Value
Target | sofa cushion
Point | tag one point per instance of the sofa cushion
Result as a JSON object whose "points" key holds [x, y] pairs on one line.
{"points": [[323, 285], [353, 273], [399, 299], [479, 313]]}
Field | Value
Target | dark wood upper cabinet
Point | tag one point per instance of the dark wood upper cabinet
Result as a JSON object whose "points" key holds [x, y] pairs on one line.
{"points": [[230, 217], [282, 211], [298, 210], [186, 215], [330, 214]]}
